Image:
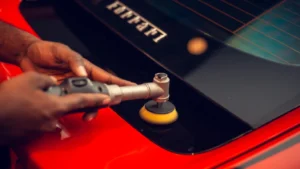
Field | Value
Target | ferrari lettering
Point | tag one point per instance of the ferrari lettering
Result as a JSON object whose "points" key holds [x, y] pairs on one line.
{"points": [[128, 14], [141, 27], [134, 20], [141, 24]]}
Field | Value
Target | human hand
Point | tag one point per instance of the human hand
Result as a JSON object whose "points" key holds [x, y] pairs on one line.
{"points": [[26, 109], [60, 61]]}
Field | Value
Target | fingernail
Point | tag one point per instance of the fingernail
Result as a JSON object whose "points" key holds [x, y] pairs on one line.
{"points": [[64, 134], [82, 71], [90, 119], [106, 101], [54, 79]]}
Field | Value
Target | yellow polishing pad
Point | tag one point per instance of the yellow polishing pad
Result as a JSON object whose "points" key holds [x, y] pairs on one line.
{"points": [[158, 119]]}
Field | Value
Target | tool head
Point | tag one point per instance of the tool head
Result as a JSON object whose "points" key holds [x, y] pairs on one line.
{"points": [[160, 111], [163, 81], [159, 114]]}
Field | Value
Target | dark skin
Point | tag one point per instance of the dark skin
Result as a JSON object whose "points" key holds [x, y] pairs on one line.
{"points": [[25, 108]]}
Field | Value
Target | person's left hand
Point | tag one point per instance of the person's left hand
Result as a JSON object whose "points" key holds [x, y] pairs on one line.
{"points": [[58, 60]]}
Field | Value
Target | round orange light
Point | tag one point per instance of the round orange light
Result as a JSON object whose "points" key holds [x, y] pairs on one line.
{"points": [[197, 46]]}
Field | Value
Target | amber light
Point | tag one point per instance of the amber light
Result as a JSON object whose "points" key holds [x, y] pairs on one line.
{"points": [[197, 46]]}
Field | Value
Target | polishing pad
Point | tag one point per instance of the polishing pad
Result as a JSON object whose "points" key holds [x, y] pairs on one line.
{"points": [[163, 114]]}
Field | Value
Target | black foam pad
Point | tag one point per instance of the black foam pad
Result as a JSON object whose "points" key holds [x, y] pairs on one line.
{"points": [[164, 108]]}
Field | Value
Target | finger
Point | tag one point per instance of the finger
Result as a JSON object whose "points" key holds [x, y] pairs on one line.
{"points": [[26, 65], [49, 126], [73, 102], [40, 81], [92, 113], [77, 65], [74, 60], [103, 76], [90, 116], [63, 131]]}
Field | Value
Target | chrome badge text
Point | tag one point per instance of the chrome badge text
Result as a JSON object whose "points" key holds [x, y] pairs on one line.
{"points": [[142, 25]]}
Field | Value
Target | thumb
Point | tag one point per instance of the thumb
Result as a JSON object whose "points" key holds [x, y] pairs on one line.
{"points": [[76, 64], [73, 59], [40, 81]]}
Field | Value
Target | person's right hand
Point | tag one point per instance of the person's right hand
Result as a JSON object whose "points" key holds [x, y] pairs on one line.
{"points": [[26, 109]]}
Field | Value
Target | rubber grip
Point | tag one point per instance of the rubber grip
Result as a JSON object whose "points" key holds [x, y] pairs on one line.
{"points": [[77, 85]]}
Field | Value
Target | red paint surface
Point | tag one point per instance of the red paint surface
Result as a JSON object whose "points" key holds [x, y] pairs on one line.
{"points": [[109, 142], [280, 160], [286, 158]]}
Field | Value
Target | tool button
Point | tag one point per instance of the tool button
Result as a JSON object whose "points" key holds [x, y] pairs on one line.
{"points": [[79, 82]]}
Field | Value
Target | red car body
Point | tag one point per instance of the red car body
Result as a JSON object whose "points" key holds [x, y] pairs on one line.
{"points": [[110, 142]]}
